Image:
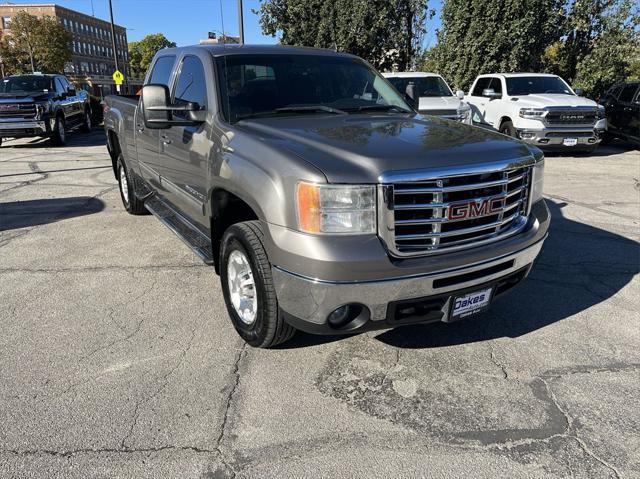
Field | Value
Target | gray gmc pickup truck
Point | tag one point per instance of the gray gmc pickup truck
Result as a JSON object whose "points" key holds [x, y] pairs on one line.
{"points": [[323, 200]]}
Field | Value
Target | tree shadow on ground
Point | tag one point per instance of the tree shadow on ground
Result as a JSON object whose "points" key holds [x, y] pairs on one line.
{"points": [[23, 214]]}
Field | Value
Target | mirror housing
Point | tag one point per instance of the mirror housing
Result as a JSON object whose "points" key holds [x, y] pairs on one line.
{"points": [[412, 95], [579, 91], [71, 91], [460, 95], [155, 107], [158, 110], [491, 93]]}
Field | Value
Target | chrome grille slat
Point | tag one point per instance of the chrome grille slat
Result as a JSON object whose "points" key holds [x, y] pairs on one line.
{"points": [[18, 110], [454, 212]]}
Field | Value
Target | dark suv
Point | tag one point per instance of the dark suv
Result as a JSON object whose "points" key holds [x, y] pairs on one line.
{"points": [[42, 106], [622, 104]]}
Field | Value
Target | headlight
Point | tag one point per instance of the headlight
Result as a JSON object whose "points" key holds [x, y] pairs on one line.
{"points": [[42, 108], [532, 113], [463, 112], [537, 181], [602, 112], [336, 209]]}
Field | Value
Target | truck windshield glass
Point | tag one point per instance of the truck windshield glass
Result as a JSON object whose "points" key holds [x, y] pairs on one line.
{"points": [[277, 84], [533, 85], [26, 84], [427, 86]]}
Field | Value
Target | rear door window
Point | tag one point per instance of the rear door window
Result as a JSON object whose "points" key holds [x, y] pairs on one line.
{"points": [[161, 74]]}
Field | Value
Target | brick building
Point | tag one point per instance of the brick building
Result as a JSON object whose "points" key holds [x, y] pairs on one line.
{"points": [[92, 63]]}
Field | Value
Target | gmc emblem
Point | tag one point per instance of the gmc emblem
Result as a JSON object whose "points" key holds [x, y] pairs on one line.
{"points": [[476, 209], [6, 107]]}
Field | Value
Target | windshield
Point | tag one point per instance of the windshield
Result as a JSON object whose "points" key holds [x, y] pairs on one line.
{"points": [[427, 86], [532, 85], [26, 84], [267, 85]]}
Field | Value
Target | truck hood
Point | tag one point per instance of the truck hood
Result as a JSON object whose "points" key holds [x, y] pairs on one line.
{"points": [[360, 148], [553, 99], [23, 98], [439, 103]]}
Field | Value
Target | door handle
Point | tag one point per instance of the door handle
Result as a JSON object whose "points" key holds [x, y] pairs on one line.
{"points": [[140, 128], [166, 140]]}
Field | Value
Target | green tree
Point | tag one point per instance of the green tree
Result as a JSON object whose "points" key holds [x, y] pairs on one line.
{"points": [[600, 45], [141, 53], [387, 33], [482, 36], [35, 44]]}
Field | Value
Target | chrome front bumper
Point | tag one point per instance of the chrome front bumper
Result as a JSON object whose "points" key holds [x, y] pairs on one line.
{"points": [[554, 137], [9, 128], [311, 301]]}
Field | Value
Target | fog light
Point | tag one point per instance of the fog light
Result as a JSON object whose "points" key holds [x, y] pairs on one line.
{"points": [[543, 140], [348, 316], [591, 140], [526, 135]]}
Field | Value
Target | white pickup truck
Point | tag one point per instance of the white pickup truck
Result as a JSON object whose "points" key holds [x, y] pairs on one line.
{"points": [[540, 109]]}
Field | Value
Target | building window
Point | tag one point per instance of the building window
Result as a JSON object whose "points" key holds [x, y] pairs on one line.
{"points": [[6, 22]]}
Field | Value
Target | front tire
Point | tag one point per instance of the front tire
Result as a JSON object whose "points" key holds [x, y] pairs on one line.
{"points": [[130, 201], [247, 286], [59, 134], [507, 128], [86, 124]]}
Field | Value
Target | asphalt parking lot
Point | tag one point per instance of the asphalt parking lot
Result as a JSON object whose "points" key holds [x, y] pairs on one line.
{"points": [[118, 359]]}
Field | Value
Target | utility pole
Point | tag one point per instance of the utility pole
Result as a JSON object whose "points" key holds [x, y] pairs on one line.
{"points": [[240, 21], [113, 40]]}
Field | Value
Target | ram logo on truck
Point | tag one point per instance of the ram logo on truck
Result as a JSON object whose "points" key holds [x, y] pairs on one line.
{"points": [[476, 209]]}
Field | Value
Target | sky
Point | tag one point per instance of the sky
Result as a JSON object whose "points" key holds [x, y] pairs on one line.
{"points": [[187, 21]]}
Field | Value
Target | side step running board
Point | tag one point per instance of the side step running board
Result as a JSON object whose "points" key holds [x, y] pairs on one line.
{"points": [[192, 237]]}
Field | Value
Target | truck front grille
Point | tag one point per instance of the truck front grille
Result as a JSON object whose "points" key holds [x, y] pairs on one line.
{"points": [[454, 212], [571, 117], [25, 111]]}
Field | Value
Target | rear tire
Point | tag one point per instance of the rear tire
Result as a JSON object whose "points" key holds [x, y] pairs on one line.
{"points": [[507, 128], [59, 134], [130, 201], [247, 286]]}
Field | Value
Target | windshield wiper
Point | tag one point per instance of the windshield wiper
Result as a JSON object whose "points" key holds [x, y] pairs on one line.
{"points": [[381, 108], [294, 109], [311, 108]]}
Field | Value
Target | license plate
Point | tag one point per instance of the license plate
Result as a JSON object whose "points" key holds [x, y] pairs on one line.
{"points": [[570, 142], [472, 303]]}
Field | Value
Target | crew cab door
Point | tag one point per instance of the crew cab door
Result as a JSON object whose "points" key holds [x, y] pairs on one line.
{"points": [[625, 115], [65, 103], [148, 141], [479, 102], [185, 150]]}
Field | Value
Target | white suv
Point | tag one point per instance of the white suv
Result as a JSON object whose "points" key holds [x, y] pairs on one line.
{"points": [[538, 108], [436, 98]]}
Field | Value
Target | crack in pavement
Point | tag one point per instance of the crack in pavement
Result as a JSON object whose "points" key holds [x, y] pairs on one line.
{"points": [[169, 267], [165, 383], [233, 387], [73, 452]]}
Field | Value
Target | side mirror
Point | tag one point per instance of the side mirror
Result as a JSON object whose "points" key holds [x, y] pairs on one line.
{"points": [[156, 107], [71, 91], [411, 93], [158, 110], [460, 95], [491, 93], [579, 91]]}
